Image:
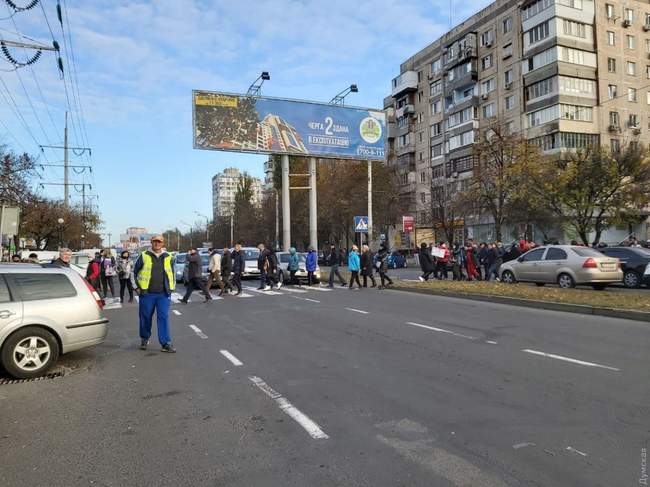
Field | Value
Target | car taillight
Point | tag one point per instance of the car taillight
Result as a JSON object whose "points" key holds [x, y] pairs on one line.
{"points": [[98, 299], [590, 263]]}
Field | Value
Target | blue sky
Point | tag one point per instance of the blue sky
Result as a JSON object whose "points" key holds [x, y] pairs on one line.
{"points": [[138, 61]]}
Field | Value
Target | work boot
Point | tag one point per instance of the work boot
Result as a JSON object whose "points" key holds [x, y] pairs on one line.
{"points": [[168, 348], [143, 344]]}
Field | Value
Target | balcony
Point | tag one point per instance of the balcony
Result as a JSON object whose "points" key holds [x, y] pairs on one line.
{"points": [[405, 110], [404, 83], [391, 130], [406, 148]]}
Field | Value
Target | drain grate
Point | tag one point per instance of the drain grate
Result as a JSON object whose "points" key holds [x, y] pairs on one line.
{"points": [[53, 375]]}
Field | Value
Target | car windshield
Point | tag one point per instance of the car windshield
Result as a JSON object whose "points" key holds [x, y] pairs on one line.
{"points": [[251, 254], [641, 251], [587, 252], [284, 258], [205, 259], [180, 258]]}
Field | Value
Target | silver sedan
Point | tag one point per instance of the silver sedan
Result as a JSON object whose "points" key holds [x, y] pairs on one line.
{"points": [[566, 265]]}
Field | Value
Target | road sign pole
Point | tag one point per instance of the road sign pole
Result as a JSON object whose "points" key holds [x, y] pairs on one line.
{"points": [[369, 237], [313, 205], [286, 202]]}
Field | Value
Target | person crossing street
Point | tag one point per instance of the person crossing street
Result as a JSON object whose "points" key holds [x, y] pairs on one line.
{"points": [[153, 280], [237, 267], [335, 261], [214, 266], [195, 276]]}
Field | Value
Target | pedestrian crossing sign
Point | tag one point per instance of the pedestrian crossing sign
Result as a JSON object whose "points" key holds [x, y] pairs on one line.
{"points": [[361, 224]]}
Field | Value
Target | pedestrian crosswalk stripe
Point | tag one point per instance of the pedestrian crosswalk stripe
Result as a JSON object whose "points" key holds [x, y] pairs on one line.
{"points": [[113, 306], [261, 291], [245, 295], [293, 290]]}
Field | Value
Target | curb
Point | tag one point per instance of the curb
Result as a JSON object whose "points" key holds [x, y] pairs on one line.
{"points": [[546, 305]]}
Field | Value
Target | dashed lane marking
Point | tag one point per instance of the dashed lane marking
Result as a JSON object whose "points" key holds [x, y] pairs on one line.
{"points": [[569, 359], [198, 331], [294, 290], [176, 312], [298, 416], [357, 311], [234, 360], [441, 330]]}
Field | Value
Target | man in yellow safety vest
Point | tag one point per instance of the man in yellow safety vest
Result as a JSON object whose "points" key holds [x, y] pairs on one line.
{"points": [[154, 282]]}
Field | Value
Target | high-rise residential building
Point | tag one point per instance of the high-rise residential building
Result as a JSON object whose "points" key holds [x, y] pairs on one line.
{"points": [[224, 188], [564, 73]]}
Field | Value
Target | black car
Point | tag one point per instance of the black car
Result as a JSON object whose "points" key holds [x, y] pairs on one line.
{"points": [[635, 263]]}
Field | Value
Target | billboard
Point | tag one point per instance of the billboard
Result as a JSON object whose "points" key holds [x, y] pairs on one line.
{"points": [[240, 123]]}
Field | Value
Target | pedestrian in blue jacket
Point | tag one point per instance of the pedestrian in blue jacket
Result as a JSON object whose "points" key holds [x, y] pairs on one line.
{"points": [[311, 264], [354, 264]]}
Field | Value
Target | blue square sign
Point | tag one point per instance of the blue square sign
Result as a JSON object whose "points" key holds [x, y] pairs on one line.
{"points": [[361, 224]]}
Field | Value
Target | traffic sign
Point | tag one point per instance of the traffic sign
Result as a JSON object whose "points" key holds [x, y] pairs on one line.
{"points": [[360, 224]]}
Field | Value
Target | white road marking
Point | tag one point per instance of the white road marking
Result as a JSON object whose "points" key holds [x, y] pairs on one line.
{"points": [[441, 330], [312, 300], [571, 449], [176, 312], [113, 306], [357, 311], [235, 361], [491, 342], [198, 331], [176, 296], [569, 359], [294, 290], [245, 295], [523, 445], [215, 297], [298, 416], [270, 292]]}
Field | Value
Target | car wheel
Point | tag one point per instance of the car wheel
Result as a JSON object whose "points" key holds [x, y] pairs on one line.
{"points": [[565, 281], [599, 286], [508, 277], [631, 280], [29, 352], [540, 284]]}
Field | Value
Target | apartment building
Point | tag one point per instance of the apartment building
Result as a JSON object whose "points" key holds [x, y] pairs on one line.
{"points": [[565, 73], [224, 188]]}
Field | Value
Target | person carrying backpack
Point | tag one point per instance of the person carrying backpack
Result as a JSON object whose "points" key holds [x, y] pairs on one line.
{"points": [[108, 271], [93, 272]]}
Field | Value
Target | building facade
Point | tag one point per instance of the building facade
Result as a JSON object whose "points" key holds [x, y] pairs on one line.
{"points": [[564, 73], [224, 188]]}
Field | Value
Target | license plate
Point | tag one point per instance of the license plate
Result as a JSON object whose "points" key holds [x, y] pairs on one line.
{"points": [[608, 267]]}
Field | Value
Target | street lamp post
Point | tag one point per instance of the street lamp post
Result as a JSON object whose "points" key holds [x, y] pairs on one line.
{"points": [[60, 221], [340, 98], [207, 225]]}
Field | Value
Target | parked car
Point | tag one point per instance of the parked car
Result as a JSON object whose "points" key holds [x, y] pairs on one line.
{"points": [[635, 263], [396, 260], [45, 311], [566, 265], [301, 274], [250, 262], [179, 266], [205, 271]]}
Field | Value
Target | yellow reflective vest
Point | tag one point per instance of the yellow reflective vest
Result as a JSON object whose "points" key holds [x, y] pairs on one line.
{"points": [[144, 276]]}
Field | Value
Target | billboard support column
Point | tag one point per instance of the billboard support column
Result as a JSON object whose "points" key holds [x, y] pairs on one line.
{"points": [[369, 202], [313, 205], [286, 203]]}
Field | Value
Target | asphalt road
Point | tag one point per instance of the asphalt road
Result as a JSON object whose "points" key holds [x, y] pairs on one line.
{"points": [[340, 388]]}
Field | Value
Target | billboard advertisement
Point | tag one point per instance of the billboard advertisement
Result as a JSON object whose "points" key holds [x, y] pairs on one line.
{"points": [[407, 224], [240, 123]]}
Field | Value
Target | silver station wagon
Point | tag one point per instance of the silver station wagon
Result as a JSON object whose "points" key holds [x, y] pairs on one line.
{"points": [[45, 311]]}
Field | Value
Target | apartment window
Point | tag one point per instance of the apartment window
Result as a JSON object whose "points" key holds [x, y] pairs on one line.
{"points": [[436, 150], [507, 51], [572, 140], [507, 25], [437, 171], [486, 62], [613, 119], [435, 88], [611, 38], [577, 56], [611, 64], [436, 67], [543, 116], [631, 42], [539, 32], [419, 76], [615, 145], [609, 10], [541, 88], [577, 86], [461, 140], [423, 197], [575, 29], [436, 129], [487, 38], [488, 111], [487, 86], [436, 107], [510, 102], [647, 72], [541, 59], [461, 117], [631, 94], [535, 8], [648, 97], [611, 92], [629, 15], [631, 68], [633, 120], [508, 77], [576, 112], [420, 138], [647, 20], [509, 127]]}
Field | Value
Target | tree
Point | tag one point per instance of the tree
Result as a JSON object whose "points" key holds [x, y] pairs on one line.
{"points": [[14, 173], [498, 155], [592, 188], [449, 206]]}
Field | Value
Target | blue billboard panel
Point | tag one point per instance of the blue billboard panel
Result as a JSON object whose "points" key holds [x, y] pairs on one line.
{"points": [[241, 123]]}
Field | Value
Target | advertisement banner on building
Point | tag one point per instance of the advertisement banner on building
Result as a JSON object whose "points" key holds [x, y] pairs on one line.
{"points": [[240, 123], [407, 224], [424, 235]]}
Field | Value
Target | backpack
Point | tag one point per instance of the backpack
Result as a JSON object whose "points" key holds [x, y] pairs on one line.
{"points": [[377, 261], [109, 267]]}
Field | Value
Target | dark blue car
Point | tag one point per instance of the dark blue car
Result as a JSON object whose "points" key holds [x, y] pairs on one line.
{"points": [[396, 260]]}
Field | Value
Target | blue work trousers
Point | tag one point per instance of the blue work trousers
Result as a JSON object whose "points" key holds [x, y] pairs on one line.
{"points": [[158, 302]]}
